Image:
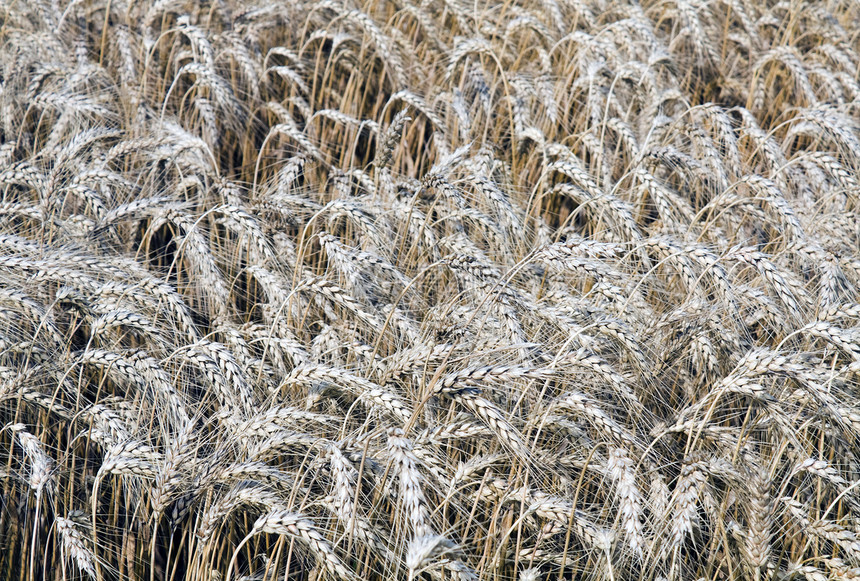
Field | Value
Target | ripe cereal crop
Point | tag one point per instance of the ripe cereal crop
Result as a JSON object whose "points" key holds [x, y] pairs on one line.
{"points": [[429, 290]]}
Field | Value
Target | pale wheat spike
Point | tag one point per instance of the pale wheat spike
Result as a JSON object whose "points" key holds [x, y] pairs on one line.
{"points": [[621, 470], [344, 482], [411, 493], [495, 419], [41, 465], [362, 388], [295, 525], [685, 498], [389, 139], [75, 545], [757, 542]]}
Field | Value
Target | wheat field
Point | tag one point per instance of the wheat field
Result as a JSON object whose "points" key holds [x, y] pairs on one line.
{"points": [[429, 290]]}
